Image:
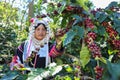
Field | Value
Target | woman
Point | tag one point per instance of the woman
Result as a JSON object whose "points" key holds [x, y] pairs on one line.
{"points": [[36, 52]]}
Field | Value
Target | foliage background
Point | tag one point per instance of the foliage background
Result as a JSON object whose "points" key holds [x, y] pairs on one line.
{"points": [[79, 60]]}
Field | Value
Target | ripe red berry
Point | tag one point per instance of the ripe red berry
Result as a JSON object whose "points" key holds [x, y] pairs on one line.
{"points": [[37, 16], [42, 16], [93, 12], [59, 4], [55, 12], [48, 14], [69, 8], [52, 4]]}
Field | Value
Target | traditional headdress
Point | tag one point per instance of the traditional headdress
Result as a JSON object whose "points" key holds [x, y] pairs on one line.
{"points": [[35, 22]]}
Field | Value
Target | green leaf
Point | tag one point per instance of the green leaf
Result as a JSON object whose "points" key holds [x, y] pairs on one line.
{"points": [[76, 78], [10, 75], [102, 59], [58, 61], [110, 69], [35, 73], [82, 3], [62, 7], [118, 30], [69, 36], [116, 23], [112, 52], [64, 21], [102, 17], [101, 30], [53, 26], [84, 56], [67, 78], [114, 70], [116, 15], [78, 19], [79, 30], [97, 15], [68, 68], [41, 73], [112, 4]]}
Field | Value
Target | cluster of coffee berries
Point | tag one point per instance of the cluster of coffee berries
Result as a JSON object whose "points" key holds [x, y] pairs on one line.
{"points": [[93, 47], [29, 59], [69, 8], [88, 40], [98, 72], [92, 35], [112, 33], [95, 11], [54, 6], [61, 32], [105, 24], [88, 23], [116, 44], [95, 50], [77, 70], [118, 54], [41, 16], [115, 9], [55, 12], [73, 9]]}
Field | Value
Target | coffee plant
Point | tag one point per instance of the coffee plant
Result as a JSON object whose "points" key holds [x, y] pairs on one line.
{"points": [[91, 38]]}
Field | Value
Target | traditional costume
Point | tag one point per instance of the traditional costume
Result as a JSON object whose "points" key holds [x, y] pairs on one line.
{"points": [[36, 53]]}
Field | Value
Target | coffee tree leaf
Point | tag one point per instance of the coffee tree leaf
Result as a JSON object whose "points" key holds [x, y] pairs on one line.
{"points": [[69, 36], [84, 56]]}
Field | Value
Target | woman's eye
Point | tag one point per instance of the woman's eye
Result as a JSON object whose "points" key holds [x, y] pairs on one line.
{"points": [[38, 29], [43, 29]]}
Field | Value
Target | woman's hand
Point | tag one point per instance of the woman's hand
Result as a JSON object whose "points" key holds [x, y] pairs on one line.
{"points": [[17, 66], [58, 36]]}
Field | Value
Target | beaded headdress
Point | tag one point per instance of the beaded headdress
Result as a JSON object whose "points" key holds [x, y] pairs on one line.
{"points": [[35, 22]]}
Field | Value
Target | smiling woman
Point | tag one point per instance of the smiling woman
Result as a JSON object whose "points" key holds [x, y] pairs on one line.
{"points": [[37, 51]]}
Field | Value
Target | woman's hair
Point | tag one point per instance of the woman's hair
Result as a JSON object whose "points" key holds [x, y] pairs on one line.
{"points": [[41, 24]]}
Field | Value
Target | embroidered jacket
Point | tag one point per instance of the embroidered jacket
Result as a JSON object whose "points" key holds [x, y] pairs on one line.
{"points": [[33, 59]]}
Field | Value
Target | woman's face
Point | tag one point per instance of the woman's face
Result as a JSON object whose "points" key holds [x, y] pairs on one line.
{"points": [[40, 32]]}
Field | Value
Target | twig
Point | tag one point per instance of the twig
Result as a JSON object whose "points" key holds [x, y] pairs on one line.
{"points": [[87, 78]]}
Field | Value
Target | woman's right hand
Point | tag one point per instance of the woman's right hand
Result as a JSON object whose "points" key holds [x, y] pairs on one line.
{"points": [[17, 66]]}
